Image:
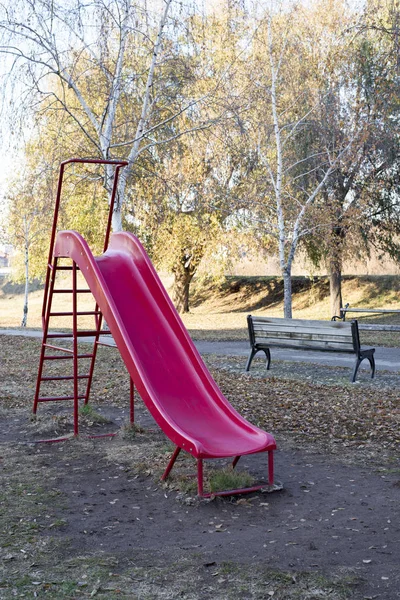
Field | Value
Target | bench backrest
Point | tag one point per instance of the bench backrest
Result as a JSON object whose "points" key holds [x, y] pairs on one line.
{"points": [[339, 336]]}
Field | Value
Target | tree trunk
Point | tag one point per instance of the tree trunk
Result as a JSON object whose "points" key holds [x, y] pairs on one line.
{"points": [[25, 313], [116, 219], [335, 285], [335, 272], [183, 278], [287, 293]]}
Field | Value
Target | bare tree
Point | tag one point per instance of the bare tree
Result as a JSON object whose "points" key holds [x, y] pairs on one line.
{"points": [[98, 63], [29, 199], [297, 170]]}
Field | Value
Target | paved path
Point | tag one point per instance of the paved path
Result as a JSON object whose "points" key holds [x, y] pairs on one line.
{"points": [[386, 358]]}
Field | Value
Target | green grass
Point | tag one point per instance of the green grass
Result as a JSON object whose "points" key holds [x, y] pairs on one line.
{"points": [[90, 414], [109, 578], [229, 479]]}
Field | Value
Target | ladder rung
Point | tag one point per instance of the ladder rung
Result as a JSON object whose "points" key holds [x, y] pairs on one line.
{"points": [[66, 268], [78, 291], [60, 378], [58, 398], [107, 345], [79, 314], [58, 348], [80, 334], [67, 357]]}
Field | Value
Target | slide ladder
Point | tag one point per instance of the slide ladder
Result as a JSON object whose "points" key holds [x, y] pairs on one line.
{"points": [[83, 362]]}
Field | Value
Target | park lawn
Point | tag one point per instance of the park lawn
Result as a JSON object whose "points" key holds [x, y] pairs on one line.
{"points": [[219, 311], [50, 510]]}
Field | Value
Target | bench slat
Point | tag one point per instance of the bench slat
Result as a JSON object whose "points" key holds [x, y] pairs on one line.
{"points": [[301, 323], [329, 332], [312, 337], [376, 311], [306, 344], [377, 327]]}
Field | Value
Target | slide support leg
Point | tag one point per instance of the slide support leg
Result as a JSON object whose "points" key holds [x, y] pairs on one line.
{"points": [[200, 491], [132, 401], [171, 463], [270, 467], [235, 461], [75, 345]]}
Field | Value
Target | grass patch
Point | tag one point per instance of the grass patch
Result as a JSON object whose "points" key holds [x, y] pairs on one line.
{"points": [[90, 416], [110, 578], [229, 479], [186, 483], [184, 480], [130, 431]]}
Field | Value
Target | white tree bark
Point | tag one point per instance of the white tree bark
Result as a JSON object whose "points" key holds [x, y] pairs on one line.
{"points": [[26, 291], [289, 233], [276, 178]]}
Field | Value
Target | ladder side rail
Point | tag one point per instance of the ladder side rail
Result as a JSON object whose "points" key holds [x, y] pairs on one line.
{"points": [[49, 293], [75, 347], [51, 248], [46, 319]]}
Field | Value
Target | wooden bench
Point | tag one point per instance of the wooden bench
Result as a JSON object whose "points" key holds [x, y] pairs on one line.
{"points": [[369, 311], [328, 336]]}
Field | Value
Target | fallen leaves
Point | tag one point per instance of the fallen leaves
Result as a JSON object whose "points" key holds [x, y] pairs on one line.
{"points": [[353, 417]]}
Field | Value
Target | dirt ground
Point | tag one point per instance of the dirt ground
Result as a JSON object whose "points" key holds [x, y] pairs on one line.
{"points": [[89, 518]]}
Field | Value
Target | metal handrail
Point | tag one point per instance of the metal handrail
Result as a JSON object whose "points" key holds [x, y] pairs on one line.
{"points": [[119, 164]]}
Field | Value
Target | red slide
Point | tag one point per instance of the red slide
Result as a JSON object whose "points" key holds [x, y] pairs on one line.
{"points": [[161, 358]]}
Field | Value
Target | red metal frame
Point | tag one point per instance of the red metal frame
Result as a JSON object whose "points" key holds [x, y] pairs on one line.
{"points": [[49, 290], [180, 393], [200, 476]]}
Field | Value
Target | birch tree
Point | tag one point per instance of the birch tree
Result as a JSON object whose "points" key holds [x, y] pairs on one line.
{"points": [[29, 212], [297, 169], [87, 59], [186, 191]]}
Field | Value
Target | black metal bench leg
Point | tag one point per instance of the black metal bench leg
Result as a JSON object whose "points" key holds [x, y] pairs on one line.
{"points": [[353, 377], [372, 363], [268, 356], [252, 354]]}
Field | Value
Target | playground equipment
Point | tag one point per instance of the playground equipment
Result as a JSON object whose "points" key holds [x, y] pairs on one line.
{"points": [[160, 357]]}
